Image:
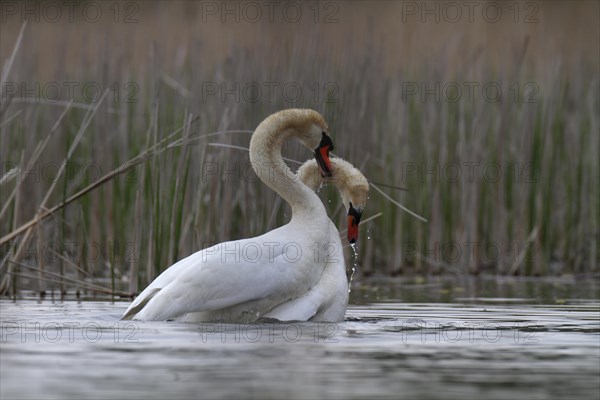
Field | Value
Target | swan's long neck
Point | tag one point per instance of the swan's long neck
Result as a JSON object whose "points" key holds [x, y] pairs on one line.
{"points": [[265, 156]]}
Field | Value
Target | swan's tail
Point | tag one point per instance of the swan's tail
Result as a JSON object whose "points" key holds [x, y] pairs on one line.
{"points": [[132, 311]]}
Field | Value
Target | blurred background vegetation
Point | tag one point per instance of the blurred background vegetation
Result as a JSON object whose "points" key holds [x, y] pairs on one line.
{"points": [[489, 121]]}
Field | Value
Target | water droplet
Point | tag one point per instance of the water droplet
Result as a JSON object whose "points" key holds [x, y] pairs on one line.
{"points": [[320, 187], [354, 264]]}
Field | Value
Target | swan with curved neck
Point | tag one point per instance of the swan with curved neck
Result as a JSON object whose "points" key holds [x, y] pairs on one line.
{"points": [[265, 155], [327, 301], [241, 280]]}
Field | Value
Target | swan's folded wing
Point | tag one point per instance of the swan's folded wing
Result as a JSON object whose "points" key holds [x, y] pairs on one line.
{"points": [[212, 284], [166, 277]]}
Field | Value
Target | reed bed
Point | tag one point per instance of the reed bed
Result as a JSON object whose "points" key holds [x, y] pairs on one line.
{"points": [[101, 192]]}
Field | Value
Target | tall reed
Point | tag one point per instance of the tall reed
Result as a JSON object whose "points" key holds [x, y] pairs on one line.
{"points": [[509, 185]]}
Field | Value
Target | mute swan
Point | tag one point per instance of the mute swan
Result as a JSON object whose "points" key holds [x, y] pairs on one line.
{"points": [[240, 280], [350, 183], [327, 301]]}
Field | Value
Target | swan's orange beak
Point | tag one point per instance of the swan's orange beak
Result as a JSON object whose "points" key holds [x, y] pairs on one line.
{"points": [[322, 155], [353, 221]]}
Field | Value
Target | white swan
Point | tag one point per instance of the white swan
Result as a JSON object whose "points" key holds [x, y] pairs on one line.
{"points": [[327, 301], [242, 280]]}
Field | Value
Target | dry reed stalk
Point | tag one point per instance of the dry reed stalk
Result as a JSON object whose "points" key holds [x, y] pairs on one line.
{"points": [[6, 282], [76, 267], [153, 151], [8, 121], [135, 240], [369, 118], [34, 158], [394, 202], [15, 221], [41, 264], [7, 67], [516, 267], [183, 160], [86, 285]]}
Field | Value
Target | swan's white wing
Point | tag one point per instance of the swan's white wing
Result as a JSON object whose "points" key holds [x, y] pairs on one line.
{"points": [[166, 277], [213, 285], [217, 277]]}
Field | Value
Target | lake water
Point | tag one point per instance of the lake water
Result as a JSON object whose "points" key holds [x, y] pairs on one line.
{"points": [[482, 338]]}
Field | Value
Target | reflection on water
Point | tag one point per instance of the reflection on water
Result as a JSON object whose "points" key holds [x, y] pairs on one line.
{"points": [[476, 348], [468, 289]]}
